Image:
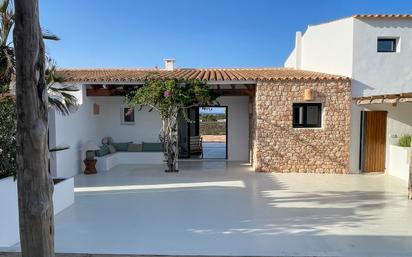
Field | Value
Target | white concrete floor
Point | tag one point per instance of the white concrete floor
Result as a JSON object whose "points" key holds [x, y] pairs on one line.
{"points": [[220, 208]]}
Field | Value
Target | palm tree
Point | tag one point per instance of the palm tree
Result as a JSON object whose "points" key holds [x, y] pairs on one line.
{"points": [[7, 61], [60, 96]]}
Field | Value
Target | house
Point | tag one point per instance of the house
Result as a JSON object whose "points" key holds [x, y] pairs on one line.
{"points": [[269, 122], [375, 52], [336, 107]]}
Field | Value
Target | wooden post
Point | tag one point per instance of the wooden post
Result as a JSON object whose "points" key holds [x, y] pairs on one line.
{"points": [[35, 186]]}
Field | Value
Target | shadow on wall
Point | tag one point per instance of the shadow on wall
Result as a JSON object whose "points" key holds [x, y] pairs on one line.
{"points": [[359, 88]]}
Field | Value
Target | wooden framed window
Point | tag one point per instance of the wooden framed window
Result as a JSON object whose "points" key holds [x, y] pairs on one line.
{"points": [[307, 115]]}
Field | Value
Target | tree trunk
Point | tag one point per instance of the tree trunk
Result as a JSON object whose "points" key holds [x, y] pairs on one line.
{"points": [[169, 138], [35, 186]]}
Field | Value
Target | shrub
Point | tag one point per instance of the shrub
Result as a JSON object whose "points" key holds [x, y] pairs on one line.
{"points": [[405, 141], [8, 129]]}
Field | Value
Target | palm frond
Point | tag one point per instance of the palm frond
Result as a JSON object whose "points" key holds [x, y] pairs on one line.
{"points": [[61, 96], [50, 36]]}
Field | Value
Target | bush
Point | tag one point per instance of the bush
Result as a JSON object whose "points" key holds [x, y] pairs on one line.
{"points": [[405, 141], [8, 129]]}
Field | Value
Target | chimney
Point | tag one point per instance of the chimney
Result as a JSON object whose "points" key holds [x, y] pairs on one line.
{"points": [[298, 50], [169, 64]]}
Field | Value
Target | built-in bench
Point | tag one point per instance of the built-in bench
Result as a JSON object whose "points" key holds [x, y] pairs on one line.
{"points": [[107, 162], [128, 153]]}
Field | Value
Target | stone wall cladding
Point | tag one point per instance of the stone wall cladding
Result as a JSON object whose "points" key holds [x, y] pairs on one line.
{"points": [[278, 147]]}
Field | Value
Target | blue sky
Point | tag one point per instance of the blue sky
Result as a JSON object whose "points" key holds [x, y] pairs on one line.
{"points": [[198, 33]]}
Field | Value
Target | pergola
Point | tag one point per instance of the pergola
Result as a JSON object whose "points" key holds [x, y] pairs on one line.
{"points": [[384, 99]]}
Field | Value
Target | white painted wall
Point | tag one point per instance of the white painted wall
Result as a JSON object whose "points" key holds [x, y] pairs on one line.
{"points": [[63, 197], [400, 159], [327, 48], [348, 47], [381, 73], [9, 213], [83, 125], [238, 126], [73, 130], [146, 128]]}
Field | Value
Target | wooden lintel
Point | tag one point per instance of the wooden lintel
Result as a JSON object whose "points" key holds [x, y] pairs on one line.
{"points": [[105, 92], [235, 92]]}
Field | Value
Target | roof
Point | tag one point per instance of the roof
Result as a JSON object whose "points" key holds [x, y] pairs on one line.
{"points": [[383, 16], [222, 74]]}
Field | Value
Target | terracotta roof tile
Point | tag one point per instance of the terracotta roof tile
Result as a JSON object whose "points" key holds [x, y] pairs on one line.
{"points": [[383, 16], [139, 75]]}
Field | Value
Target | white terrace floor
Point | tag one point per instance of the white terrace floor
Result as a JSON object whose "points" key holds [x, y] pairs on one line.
{"points": [[220, 208]]}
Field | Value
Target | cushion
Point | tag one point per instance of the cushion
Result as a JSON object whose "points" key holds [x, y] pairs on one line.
{"points": [[112, 149], [104, 150], [121, 147], [107, 140], [152, 147], [135, 148]]}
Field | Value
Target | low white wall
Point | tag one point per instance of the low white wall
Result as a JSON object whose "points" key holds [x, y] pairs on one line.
{"points": [[238, 126], [9, 213], [63, 197], [399, 162]]}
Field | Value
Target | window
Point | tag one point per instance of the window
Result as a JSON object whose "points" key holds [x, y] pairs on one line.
{"points": [[307, 115], [387, 45]]}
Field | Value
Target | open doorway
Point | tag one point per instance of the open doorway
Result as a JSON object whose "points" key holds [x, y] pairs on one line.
{"points": [[213, 132], [205, 137]]}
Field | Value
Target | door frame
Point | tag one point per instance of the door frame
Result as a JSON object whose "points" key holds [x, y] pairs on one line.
{"points": [[363, 138], [226, 132]]}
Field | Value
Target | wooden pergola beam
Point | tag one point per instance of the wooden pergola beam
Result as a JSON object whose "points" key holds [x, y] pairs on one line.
{"points": [[388, 98]]}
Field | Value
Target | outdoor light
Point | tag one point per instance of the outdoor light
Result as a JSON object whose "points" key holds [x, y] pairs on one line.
{"points": [[308, 95]]}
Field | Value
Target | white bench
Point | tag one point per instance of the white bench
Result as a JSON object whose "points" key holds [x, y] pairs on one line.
{"points": [[107, 162]]}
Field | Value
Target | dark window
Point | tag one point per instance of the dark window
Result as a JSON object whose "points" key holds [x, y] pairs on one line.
{"points": [[307, 115], [386, 45]]}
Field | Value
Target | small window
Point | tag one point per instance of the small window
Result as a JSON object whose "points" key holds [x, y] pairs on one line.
{"points": [[387, 45], [307, 115]]}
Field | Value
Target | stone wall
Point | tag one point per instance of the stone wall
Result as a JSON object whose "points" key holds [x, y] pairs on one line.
{"points": [[278, 147]]}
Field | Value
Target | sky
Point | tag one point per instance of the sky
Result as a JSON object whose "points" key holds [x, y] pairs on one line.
{"points": [[197, 33]]}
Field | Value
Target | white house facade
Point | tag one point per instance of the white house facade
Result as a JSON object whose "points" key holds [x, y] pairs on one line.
{"points": [[375, 52]]}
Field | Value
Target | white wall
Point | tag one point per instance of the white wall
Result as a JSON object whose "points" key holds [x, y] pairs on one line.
{"points": [[73, 130], [238, 126], [146, 128], [9, 213], [400, 162], [327, 48], [83, 125], [381, 73]]}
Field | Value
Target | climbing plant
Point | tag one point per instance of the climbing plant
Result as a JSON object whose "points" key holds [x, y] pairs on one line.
{"points": [[8, 128], [170, 98]]}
